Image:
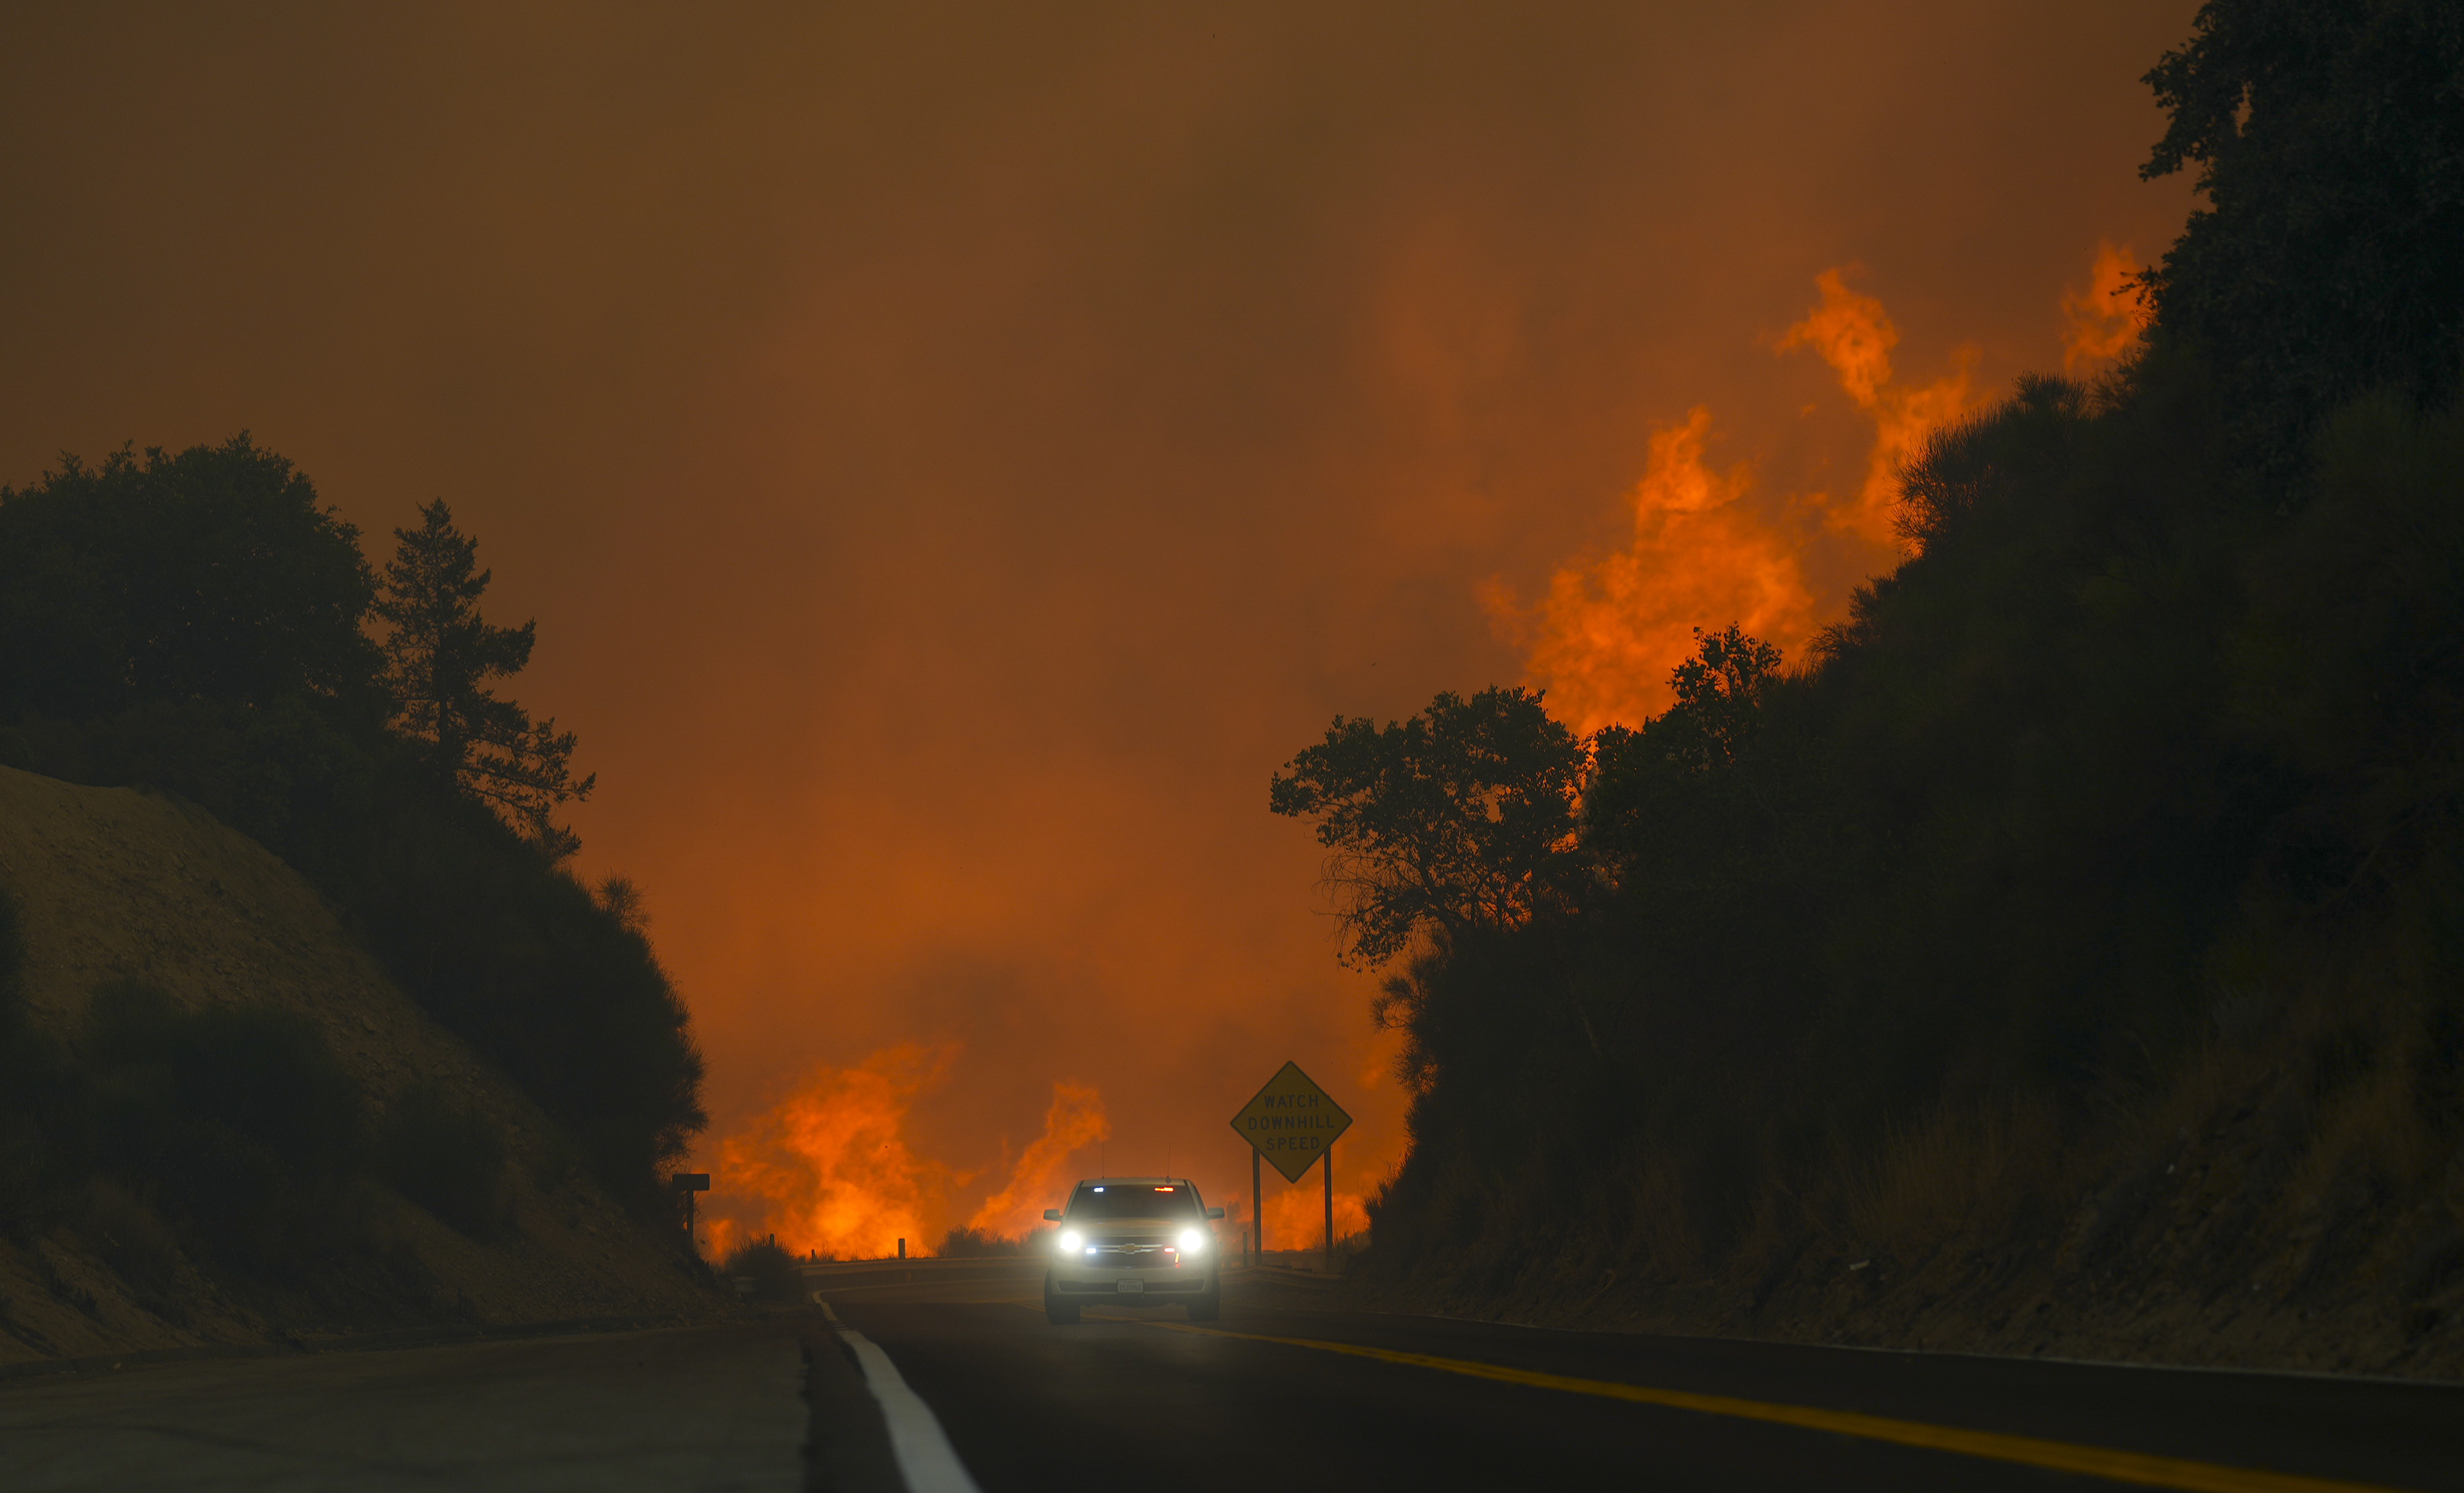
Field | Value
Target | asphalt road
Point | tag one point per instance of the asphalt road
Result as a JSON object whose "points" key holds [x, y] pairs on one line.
{"points": [[1277, 1390], [697, 1408], [1281, 1388]]}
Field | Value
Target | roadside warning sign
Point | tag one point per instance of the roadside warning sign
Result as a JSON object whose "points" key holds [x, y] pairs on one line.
{"points": [[1291, 1122]]}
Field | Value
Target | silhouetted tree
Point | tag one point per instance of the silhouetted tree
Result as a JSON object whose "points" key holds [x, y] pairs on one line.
{"points": [[2116, 774], [1677, 791], [1963, 463], [1720, 693], [440, 655], [1462, 815], [193, 623], [2329, 260], [207, 576]]}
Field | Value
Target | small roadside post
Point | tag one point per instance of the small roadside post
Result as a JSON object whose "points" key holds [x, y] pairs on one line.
{"points": [[690, 1183], [1257, 1212], [1293, 1124], [1325, 1175]]}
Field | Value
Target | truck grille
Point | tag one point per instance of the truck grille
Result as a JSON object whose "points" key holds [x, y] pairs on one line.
{"points": [[1132, 1254]]}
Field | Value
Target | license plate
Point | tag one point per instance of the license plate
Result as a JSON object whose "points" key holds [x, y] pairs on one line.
{"points": [[1130, 1287]]}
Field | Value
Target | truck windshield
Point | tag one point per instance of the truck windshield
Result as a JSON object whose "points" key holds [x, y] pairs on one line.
{"points": [[1133, 1202]]}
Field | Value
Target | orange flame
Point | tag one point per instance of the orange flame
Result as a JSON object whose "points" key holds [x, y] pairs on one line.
{"points": [[2103, 322], [1852, 333], [1076, 1119], [829, 1170], [1296, 1220], [1604, 639]]}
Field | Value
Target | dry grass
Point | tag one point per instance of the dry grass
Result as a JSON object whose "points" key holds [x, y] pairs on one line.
{"points": [[2286, 1191], [1955, 1174], [1659, 1233]]}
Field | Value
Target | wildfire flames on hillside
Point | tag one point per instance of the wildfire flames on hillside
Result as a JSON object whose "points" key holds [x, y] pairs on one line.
{"points": [[1037, 1179], [829, 1170], [1604, 639], [1296, 1220], [1852, 334]]}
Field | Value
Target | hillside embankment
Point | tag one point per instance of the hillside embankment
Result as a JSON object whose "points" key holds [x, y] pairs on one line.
{"points": [[2062, 954], [2238, 1222], [117, 888]]}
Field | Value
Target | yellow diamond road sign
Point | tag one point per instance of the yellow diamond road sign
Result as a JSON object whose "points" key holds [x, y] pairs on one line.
{"points": [[1291, 1122]]}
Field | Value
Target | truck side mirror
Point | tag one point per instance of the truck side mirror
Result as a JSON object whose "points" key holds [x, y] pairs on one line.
{"points": [[1215, 1213], [1054, 1215]]}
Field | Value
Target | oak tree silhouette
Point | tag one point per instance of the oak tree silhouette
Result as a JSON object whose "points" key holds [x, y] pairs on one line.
{"points": [[1460, 816]]}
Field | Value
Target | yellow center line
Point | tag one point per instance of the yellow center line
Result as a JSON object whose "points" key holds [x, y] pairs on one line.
{"points": [[2096, 1461]]}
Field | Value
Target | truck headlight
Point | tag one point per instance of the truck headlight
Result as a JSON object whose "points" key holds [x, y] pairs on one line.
{"points": [[1192, 1240], [1070, 1240]]}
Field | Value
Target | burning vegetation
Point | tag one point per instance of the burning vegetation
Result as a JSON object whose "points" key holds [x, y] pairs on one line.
{"points": [[829, 1170], [2064, 954], [1604, 639]]}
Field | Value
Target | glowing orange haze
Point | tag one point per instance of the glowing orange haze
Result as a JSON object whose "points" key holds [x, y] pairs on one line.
{"points": [[955, 452], [830, 1171]]}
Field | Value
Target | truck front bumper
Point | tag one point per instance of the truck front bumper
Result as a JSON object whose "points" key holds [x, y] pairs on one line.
{"points": [[1150, 1283]]}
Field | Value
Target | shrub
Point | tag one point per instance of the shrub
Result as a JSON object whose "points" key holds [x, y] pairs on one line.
{"points": [[137, 1246], [237, 1124], [510, 951], [520, 960], [770, 1268], [450, 1159], [42, 1104], [965, 1244]]}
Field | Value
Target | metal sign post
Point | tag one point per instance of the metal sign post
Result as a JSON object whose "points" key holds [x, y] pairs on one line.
{"points": [[690, 1183], [1257, 1212], [1293, 1124]]}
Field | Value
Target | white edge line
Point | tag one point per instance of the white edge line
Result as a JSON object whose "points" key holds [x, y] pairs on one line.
{"points": [[925, 1459]]}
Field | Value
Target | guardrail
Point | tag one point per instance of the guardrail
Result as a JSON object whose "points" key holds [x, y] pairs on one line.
{"points": [[854, 1274], [1282, 1274], [828, 1274]]}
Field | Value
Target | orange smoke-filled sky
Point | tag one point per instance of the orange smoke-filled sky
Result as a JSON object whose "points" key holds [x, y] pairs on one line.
{"points": [[955, 453]]}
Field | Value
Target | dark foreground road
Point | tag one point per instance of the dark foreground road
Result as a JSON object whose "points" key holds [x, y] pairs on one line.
{"points": [[698, 1408], [1280, 1389], [1276, 1391]]}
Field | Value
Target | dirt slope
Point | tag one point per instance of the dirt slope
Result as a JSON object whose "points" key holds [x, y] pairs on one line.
{"points": [[115, 882], [2242, 1224]]}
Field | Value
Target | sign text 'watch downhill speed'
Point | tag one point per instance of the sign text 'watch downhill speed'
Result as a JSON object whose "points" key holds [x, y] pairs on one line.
{"points": [[1291, 1122]]}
